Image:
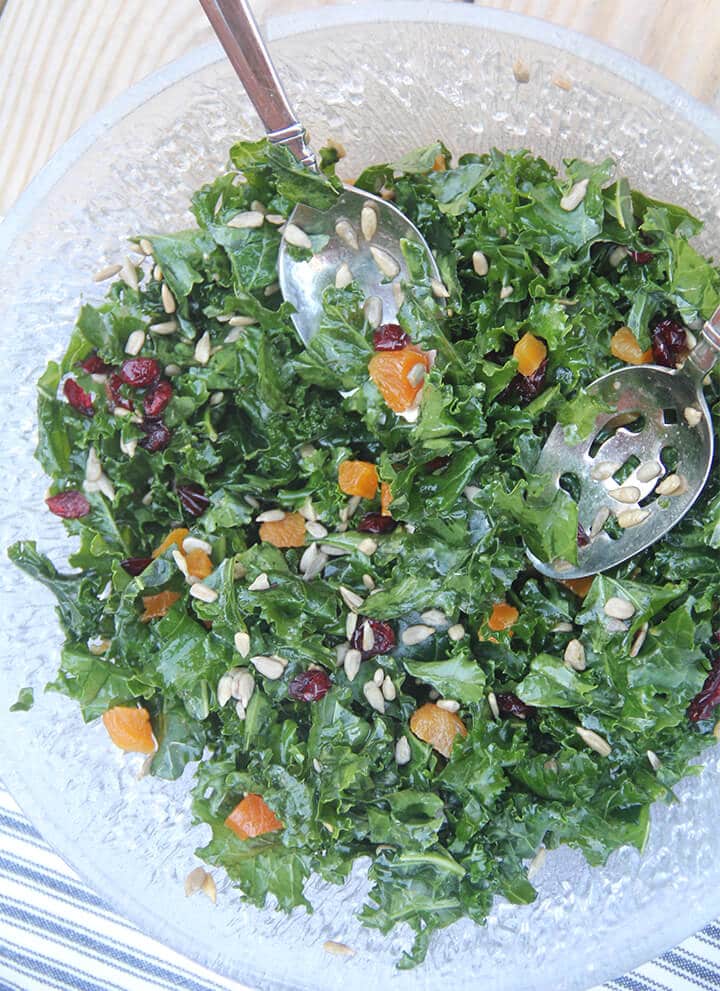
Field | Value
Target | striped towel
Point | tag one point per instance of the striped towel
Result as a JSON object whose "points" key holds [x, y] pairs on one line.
{"points": [[56, 933]]}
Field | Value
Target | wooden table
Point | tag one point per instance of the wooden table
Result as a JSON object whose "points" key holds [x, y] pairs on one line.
{"points": [[60, 60]]}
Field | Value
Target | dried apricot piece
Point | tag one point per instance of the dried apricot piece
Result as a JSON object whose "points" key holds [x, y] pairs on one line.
{"points": [[288, 532], [503, 616], [437, 726], [252, 817], [157, 605], [129, 728], [530, 352], [175, 537], [358, 478], [580, 586], [624, 345], [440, 164], [399, 376], [385, 499], [199, 563]]}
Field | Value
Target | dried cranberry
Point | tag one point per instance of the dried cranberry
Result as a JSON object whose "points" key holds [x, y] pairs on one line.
{"points": [[78, 398], [511, 705], [157, 398], [376, 523], [583, 538], [309, 686], [390, 337], [669, 343], [158, 435], [139, 372], [193, 498], [708, 697], [641, 257], [528, 387], [384, 637], [135, 565], [436, 464], [94, 365], [70, 505], [115, 396]]}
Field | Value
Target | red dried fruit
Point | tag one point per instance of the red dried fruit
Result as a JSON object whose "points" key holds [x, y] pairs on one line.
{"points": [[157, 398], [158, 436], [78, 398], [669, 343], [583, 538], [528, 387], [135, 565], [384, 637], [309, 686], [70, 505], [139, 372], [708, 697], [376, 523], [390, 337], [641, 257], [113, 388], [511, 705], [436, 464], [94, 365], [193, 498]]}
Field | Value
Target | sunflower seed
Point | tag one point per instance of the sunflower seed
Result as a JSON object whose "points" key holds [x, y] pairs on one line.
{"points": [[168, 300], [203, 592], [603, 470], [368, 637], [537, 863], [654, 760], [574, 655], [261, 583], [670, 485], [374, 696], [224, 690], [434, 617], [248, 218], [309, 557], [351, 600], [135, 342], [276, 219], [379, 677], [240, 710], [252, 501], [343, 276], [93, 468], [416, 634], [195, 544], [692, 415], [157, 273], [242, 322], [599, 521], [480, 263], [271, 516], [129, 446], [398, 294], [647, 471], [616, 255], [297, 237], [346, 232], [369, 582], [632, 517], [172, 369], [506, 292], [194, 881], [129, 274], [368, 221], [268, 667], [470, 491], [307, 510], [271, 289], [350, 624], [216, 398], [352, 662], [107, 273], [181, 563], [341, 652], [438, 289], [385, 262], [521, 72], [627, 493], [562, 628], [449, 705], [338, 949], [316, 530], [456, 632], [243, 686], [493, 704], [202, 349], [416, 375], [242, 643], [164, 329], [367, 546], [596, 742], [618, 608], [352, 505], [402, 751], [373, 310], [639, 640], [333, 551], [575, 197], [388, 689]]}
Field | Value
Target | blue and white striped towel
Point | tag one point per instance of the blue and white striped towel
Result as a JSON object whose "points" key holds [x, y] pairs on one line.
{"points": [[56, 933]]}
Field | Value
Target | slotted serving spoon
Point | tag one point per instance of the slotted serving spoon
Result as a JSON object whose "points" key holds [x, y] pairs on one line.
{"points": [[645, 462], [375, 262]]}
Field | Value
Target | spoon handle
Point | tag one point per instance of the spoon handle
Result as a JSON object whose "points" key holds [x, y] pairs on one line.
{"points": [[706, 352], [237, 30]]}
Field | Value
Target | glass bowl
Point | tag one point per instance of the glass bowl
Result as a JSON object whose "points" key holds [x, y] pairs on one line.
{"points": [[381, 79]]}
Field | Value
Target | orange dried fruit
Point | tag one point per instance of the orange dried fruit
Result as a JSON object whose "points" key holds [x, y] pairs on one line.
{"points": [[252, 817], [580, 586], [530, 352], [503, 616], [288, 532], [624, 345], [157, 605], [129, 728], [199, 563], [385, 499], [358, 478], [440, 164], [399, 376], [175, 537], [437, 726]]}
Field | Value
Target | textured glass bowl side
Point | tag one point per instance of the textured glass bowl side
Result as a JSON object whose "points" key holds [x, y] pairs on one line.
{"points": [[450, 78]]}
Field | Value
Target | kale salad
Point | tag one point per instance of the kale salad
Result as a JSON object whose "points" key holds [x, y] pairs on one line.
{"points": [[302, 570]]}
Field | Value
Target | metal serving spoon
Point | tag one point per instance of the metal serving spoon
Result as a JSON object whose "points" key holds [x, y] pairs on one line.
{"points": [[361, 232], [645, 462]]}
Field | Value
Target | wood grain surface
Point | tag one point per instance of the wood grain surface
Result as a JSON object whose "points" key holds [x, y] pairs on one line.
{"points": [[61, 60]]}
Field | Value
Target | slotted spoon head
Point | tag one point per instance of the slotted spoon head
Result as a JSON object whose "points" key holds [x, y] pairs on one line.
{"points": [[657, 424]]}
